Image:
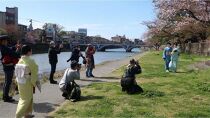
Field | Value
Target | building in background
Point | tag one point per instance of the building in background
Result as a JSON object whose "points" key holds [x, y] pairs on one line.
{"points": [[99, 40], [138, 42], [2, 20], [12, 16], [82, 31], [118, 39], [50, 31], [38, 34], [22, 30], [8, 18]]}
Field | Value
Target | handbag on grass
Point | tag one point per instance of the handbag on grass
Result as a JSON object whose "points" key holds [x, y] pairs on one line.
{"points": [[76, 92]]}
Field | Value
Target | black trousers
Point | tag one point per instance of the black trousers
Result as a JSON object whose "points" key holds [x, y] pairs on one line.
{"points": [[9, 71], [53, 68], [130, 86]]}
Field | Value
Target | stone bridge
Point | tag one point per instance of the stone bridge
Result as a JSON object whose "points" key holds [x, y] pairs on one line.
{"points": [[103, 47]]}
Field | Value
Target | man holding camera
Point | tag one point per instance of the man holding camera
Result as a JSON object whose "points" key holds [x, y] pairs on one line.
{"points": [[128, 81], [53, 59], [67, 83]]}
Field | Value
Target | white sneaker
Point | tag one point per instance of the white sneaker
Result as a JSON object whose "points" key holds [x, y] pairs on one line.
{"points": [[167, 71]]}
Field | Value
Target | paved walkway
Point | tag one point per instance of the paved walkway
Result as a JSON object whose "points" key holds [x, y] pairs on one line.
{"points": [[50, 97]]}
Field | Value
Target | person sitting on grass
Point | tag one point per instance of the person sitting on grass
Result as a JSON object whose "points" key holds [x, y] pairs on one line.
{"points": [[67, 83], [128, 81]]}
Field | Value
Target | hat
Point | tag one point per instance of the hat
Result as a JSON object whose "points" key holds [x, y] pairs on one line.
{"points": [[52, 42], [4, 37]]}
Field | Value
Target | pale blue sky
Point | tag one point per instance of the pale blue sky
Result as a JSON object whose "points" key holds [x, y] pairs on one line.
{"points": [[101, 17]]}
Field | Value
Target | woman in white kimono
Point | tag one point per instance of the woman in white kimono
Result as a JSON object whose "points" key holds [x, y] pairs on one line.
{"points": [[174, 59], [26, 79]]}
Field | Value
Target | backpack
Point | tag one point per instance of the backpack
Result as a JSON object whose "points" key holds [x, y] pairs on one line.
{"points": [[76, 92], [7, 59]]}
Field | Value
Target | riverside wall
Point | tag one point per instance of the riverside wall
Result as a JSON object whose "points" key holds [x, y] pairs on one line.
{"points": [[202, 48]]}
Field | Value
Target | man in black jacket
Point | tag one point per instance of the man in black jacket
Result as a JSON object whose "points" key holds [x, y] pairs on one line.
{"points": [[128, 81], [53, 59], [9, 58], [76, 54]]}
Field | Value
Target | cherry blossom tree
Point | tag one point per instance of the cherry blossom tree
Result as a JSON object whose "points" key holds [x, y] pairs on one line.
{"points": [[179, 20]]}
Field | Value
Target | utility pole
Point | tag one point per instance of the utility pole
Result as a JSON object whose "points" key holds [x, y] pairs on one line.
{"points": [[55, 32]]}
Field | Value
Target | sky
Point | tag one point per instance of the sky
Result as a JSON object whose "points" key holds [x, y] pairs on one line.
{"points": [[106, 18]]}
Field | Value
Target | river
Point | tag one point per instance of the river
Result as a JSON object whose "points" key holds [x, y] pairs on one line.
{"points": [[100, 57]]}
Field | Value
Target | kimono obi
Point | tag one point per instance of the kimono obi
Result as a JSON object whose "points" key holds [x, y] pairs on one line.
{"points": [[22, 73]]}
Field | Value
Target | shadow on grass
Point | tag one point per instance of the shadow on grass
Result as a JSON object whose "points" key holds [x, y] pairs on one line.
{"points": [[108, 78], [44, 107], [90, 97], [153, 93], [186, 72], [91, 80], [182, 72]]}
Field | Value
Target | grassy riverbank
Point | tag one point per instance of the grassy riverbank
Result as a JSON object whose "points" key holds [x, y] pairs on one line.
{"points": [[182, 94]]}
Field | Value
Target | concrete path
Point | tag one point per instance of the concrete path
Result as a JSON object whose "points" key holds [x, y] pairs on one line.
{"points": [[50, 97]]}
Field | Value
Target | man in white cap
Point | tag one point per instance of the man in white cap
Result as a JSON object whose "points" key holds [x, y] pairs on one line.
{"points": [[53, 59]]}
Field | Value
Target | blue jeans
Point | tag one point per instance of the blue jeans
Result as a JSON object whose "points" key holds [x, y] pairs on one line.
{"points": [[89, 71], [167, 61]]}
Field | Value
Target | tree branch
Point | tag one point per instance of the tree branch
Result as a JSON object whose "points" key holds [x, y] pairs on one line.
{"points": [[192, 15]]}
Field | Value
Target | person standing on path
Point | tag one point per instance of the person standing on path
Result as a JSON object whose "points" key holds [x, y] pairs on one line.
{"points": [[9, 58], [53, 59], [174, 59], [76, 53], [26, 72], [90, 65], [167, 56]]}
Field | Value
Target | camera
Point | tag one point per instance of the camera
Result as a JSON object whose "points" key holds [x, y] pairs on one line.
{"points": [[137, 62]]}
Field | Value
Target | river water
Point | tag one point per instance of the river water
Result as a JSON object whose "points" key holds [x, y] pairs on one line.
{"points": [[100, 57]]}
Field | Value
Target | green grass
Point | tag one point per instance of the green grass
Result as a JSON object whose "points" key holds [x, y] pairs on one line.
{"points": [[1, 95], [182, 94]]}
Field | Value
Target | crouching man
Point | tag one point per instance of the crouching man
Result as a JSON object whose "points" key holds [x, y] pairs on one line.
{"points": [[67, 84], [128, 81]]}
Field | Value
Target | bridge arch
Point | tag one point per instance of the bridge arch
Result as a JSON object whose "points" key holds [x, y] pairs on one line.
{"points": [[130, 48], [103, 47], [110, 46]]}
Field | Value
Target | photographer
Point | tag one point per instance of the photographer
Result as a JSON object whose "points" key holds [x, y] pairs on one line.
{"points": [[67, 84], [53, 59], [128, 81], [10, 57], [76, 54]]}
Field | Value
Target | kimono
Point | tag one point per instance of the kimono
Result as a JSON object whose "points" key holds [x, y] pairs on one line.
{"points": [[167, 56], [174, 60], [25, 104]]}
